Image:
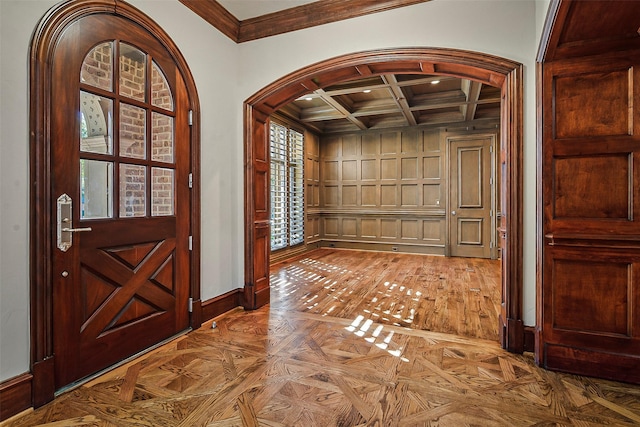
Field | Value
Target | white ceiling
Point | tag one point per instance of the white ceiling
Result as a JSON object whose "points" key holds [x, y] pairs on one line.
{"points": [[245, 9]]}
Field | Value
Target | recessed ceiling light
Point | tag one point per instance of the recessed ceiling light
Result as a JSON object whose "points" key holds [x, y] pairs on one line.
{"points": [[435, 82], [366, 90]]}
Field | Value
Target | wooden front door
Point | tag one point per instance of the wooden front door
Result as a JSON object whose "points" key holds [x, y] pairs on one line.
{"points": [[120, 186], [470, 196]]}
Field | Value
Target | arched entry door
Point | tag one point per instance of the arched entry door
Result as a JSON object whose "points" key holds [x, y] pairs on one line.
{"points": [[484, 68], [117, 151]]}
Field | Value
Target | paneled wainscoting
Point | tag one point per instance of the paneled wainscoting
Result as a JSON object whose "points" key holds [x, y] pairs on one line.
{"points": [[298, 363]]}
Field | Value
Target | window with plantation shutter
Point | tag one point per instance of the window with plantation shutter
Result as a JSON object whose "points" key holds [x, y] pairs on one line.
{"points": [[287, 186]]}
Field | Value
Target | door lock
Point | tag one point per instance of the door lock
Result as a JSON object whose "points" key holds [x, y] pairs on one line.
{"points": [[65, 228]]}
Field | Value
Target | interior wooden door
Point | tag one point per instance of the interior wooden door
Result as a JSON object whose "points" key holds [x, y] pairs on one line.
{"points": [[120, 180], [470, 200], [591, 206]]}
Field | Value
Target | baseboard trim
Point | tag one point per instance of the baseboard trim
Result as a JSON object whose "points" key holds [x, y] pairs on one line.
{"points": [[530, 339], [592, 362], [401, 247], [15, 395], [216, 306]]}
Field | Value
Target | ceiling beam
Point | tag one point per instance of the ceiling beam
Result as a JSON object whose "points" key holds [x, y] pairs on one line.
{"points": [[341, 109], [471, 90], [400, 99], [420, 107], [291, 112]]}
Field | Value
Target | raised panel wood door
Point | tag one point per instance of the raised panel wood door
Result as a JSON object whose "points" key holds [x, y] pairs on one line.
{"points": [[120, 168], [591, 184], [470, 198]]}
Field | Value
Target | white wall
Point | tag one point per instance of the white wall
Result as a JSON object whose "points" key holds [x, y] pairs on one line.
{"points": [[17, 21], [226, 74]]}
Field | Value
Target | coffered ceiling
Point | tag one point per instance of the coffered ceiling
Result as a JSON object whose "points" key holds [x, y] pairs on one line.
{"points": [[397, 100]]}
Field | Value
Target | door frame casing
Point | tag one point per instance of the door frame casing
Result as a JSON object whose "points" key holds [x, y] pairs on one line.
{"points": [[42, 49], [488, 69]]}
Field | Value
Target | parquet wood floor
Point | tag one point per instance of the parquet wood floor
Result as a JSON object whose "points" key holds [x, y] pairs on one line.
{"points": [[286, 367]]}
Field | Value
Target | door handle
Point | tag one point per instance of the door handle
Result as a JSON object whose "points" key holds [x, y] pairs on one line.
{"points": [[76, 230], [453, 213], [65, 228]]}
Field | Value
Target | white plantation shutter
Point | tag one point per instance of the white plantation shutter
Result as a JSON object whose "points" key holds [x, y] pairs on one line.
{"points": [[287, 186], [296, 187], [279, 229]]}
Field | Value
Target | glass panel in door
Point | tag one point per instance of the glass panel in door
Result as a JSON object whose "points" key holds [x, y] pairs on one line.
{"points": [[97, 67], [133, 190], [133, 74], [95, 123], [133, 131], [96, 189]]}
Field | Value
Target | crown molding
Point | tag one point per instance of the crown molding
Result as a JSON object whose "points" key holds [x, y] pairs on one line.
{"points": [[292, 19]]}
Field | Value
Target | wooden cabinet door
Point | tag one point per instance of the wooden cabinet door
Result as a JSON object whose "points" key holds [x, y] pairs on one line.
{"points": [[120, 172], [591, 217]]}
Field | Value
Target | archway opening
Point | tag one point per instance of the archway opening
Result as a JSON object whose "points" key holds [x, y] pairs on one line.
{"points": [[487, 69]]}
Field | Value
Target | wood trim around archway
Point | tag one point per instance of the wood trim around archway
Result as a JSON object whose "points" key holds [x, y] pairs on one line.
{"points": [[487, 69], [43, 47]]}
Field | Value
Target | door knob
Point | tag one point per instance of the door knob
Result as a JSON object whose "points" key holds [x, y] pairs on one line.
{"points": [[453, 213]]}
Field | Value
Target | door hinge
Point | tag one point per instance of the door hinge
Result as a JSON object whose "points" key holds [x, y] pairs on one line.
{"points": [[491, 148], [491, 213], [490, 245], [490, 181], [190, 305], [190, 243], [190, 117], [190, 180]]}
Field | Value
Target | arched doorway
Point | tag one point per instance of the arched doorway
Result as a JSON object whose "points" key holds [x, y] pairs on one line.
{"points": [[112, 151], [484, 68]]}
